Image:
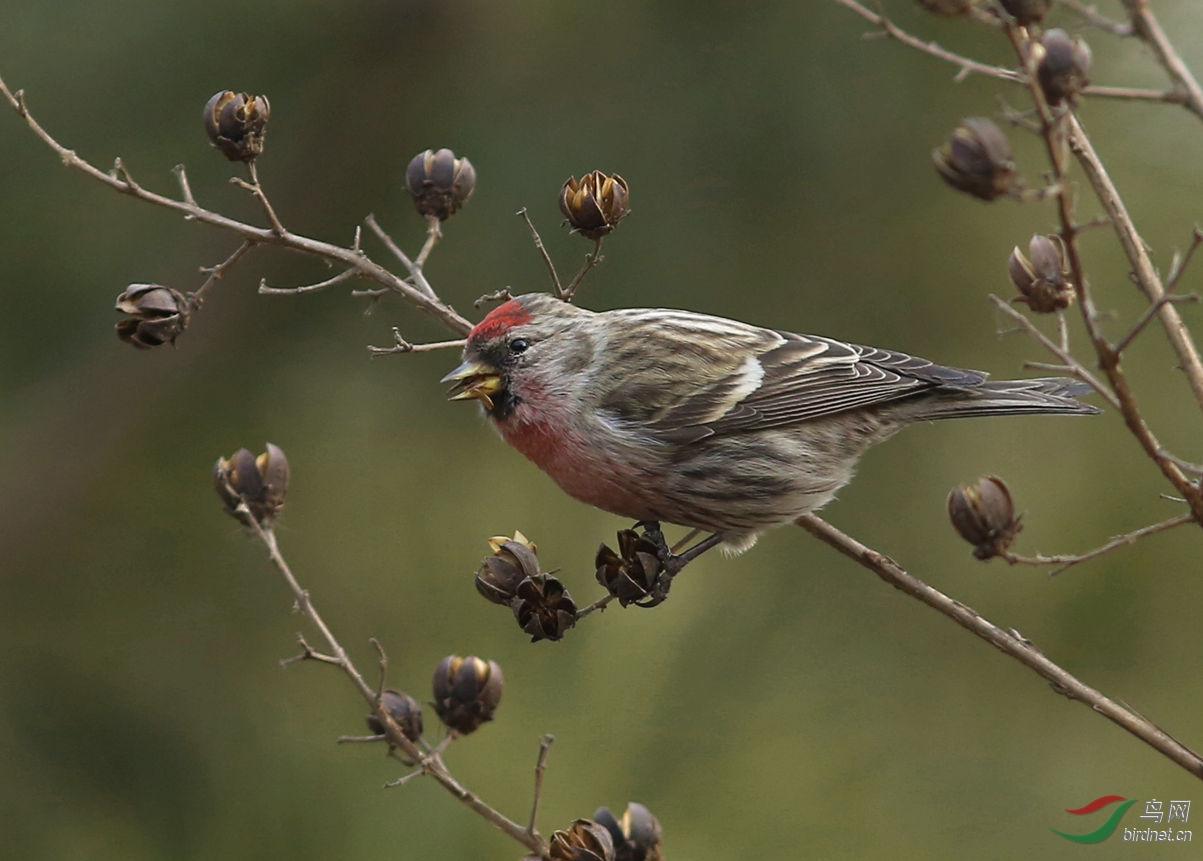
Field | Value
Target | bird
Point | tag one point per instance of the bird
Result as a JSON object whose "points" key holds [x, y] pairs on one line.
{"points": [[662, 415]]}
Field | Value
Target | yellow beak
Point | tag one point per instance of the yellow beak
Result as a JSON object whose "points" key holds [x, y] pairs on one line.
{"points": [[474, 380]]}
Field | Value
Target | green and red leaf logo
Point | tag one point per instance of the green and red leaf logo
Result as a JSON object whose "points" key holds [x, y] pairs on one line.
{"points": [[1107, 828]]}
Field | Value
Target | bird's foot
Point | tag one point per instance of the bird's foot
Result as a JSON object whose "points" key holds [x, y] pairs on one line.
{"points": [[671, 563]]}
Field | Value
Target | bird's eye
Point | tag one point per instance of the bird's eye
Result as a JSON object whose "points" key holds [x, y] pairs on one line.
{"points": [[519, 345]]}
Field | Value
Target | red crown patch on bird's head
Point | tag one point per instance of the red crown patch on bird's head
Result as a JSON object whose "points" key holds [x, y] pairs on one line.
{"points": [[501, 319]]}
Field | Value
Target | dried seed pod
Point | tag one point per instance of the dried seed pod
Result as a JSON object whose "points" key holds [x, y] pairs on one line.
{"points": [[1043, 279], [1027, 12], [439, 182], [584, 840], [543, 608], [594, 205], [636, 836], [629, 574], [236, 123], [513, 560], [1063, 68], [157, 315], [982, 513], [977, 159], [467, 691], [261, 482], [404, 710]]}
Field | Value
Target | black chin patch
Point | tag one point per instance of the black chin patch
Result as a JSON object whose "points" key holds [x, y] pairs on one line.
{"points": [[503, 404]]}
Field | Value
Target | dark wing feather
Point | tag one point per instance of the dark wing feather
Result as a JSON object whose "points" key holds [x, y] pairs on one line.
{"points": [[808, 377]]}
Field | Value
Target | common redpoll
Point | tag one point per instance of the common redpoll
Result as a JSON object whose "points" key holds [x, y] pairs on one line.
{"points": [[661, 415]]}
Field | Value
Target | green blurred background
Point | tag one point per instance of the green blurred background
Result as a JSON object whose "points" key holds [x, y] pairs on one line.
{"points": [[783, 704]]}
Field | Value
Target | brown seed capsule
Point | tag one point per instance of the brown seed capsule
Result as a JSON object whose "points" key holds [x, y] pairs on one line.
{"points": [[543, 608], [261, 482], [629, 574], [982, 513], [585, 840], [404, 710], [236, 123], [1064, 66], [1043, 279], [976, 159], [466, 691], [636, 836], [158, 315], [1027, 12], [439, 182], [512, 561], [594, 205]]}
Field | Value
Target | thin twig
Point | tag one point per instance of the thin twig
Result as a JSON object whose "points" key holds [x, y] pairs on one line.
{"points": [[418, 296], [1182, 260], [404, 346], [551, 267], [1068, 560], [1091, 15], [1068, 361], [1137, 253], [1007, 642], [185, 189], [434, 233], [1135, 94], [428, 763], [1063, 134], [591, 260], [1149, 313], [1148, 29], [540, 767], [216, 272], [416, 276], [382, 663], [599, 604], [257, 189], [888, 28], [307, 288]]}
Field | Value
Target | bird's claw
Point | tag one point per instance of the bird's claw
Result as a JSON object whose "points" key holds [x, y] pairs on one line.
{"points": [[671, 565]]}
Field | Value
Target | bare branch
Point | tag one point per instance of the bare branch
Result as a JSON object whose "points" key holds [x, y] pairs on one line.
{"points": [[551, 267], [1091, 15], [428, 763], [415, 269], [422, 296], [966, 65], [1069, 560], [599, 604], [540, 767], [1148, 29], [591, 260], [1179, 95], [1182, 260], [1069, 362], [308, 653], [307, 288], [216, 272], [1008, 642], [185, 189], [1135, 94], [404, 346], [1137, 253], [434, 233], [256, 188], [1148, 315]]}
